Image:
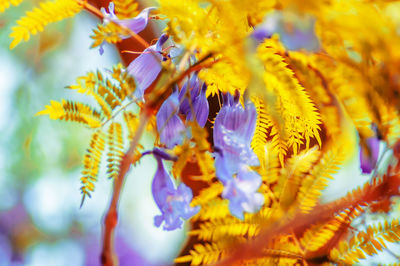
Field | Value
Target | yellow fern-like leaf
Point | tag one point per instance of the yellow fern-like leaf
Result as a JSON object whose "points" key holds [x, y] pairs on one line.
{"points": [[366, 243], [91, 163], [204, 254], [319, 235], [48, 12], [132, 123], [261, 132], [73, 111], [126, 8], [217, 229], [298, 113], [212, 210], [4, 4], [115, 146], [312, 186], [110, 33]]}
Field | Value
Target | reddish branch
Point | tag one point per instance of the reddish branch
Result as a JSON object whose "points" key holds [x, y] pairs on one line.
{"points": [[108, 257], [378, 191]]}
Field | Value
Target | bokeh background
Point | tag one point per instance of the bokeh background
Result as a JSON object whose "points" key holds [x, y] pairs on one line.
{"points": [[40, 161]]}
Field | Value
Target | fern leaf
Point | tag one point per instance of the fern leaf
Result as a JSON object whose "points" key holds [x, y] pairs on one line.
{"points": [[34, 21], [204, 254], [319, 235], [73, 111], [300, 117], [212, 210], [261, 132], [115, 145], [91, 164], [217, 229], [4, 4], [110, 33], [126, 8], [312, 186], [207, 194], [132, 123], [366, 243], [106, 94]]}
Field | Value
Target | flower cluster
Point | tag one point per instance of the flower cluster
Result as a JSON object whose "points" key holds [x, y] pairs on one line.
{"points": [[233, 131]]}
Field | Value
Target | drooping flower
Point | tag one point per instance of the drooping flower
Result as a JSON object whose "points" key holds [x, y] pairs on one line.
{"points": [[233, 130], [136, 24], [146, 67], [369, 158], [198, 101], [173, 203], [169, 124]]}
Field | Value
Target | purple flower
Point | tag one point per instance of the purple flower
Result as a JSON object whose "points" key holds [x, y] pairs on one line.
{"points": [[233, 131], [198, 101], [169, 124], [369, 158], [242, 192], [136, 24], [146, 67], [173, 203], [295, 32]]}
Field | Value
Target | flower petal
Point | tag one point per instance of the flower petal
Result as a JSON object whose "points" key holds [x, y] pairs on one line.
{"points": [[146, 67], [369, 158], [169, 125]]}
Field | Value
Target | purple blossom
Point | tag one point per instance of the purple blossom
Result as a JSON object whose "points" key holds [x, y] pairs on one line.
{"points": [[173, 203], [136, 24], [198, 102], [233, 131], [369, 158], [295, 32], [169, 124], [146, 67]]}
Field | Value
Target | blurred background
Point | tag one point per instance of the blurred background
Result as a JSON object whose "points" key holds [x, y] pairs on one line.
{"points": [[40, 161]]}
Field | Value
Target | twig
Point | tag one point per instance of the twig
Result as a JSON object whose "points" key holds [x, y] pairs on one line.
{"points": [[108, 257]]}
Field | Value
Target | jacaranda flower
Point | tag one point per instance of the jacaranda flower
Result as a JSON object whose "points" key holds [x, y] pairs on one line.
{"points": [[233, 130], [169, 124], [146, 67], [198, 101], [368, 159], [295, 32], [173, 203], [136, 24]]}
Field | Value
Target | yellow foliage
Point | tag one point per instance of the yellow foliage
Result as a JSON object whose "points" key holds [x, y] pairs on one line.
{"points": [[91, 163], [48, 12], [73, 111], [110, 33], [4, 4], [115, 146], [312, 185]]}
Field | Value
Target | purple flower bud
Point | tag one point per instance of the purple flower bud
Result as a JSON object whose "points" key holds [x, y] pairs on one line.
{"points": [[174, 204], [198, 102], [295, 32], [369, 158], [146, 67], [169, 125]]}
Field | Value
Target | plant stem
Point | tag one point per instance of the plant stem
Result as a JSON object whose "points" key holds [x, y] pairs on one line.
{"points": [[108, 257]]}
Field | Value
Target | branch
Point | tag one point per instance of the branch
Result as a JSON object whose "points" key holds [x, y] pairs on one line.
{"points": [[108, 257]]}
